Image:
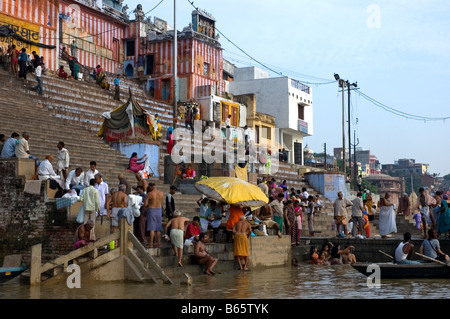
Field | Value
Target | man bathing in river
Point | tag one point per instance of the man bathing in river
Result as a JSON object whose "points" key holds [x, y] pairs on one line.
{"points": [[202, 255], [177, 224], [242, 231]]}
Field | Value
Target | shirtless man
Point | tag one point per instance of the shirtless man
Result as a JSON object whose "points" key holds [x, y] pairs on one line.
{"points": [[82, 235], [242, 231], [141, 182], [202, 255], [265, 215], [177, 224], [153, 206], [118, 200], [14, 60]]}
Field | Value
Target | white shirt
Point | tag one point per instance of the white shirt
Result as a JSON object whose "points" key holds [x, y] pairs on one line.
{"points": [[63, 159], [22, 148], [46, 169], [103, 190], [227, 122], [73, 179], [39, 71], [88, 176]]}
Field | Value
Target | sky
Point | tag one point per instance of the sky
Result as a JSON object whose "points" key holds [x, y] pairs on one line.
{"points": [[398, 52]]}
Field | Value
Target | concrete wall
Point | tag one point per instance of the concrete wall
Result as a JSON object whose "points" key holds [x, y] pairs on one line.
{"points": [[266, 251], [151, 150], [327, 183]]}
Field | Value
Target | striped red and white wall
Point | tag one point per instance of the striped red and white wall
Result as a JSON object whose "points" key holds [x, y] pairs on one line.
{"points": [[192, 55], [105, 31], [41, 13]]}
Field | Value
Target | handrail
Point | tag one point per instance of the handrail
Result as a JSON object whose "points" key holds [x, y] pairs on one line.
{"points": [[128, 241], [37, 268], [148, 258]]}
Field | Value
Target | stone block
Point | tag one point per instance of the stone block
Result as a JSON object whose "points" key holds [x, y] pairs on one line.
{"points": [[25, 167], [73, 211]]}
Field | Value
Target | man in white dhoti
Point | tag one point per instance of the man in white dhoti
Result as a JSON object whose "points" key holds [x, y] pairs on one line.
{"points": [[46, 171], [387, 222], [103, 192]]}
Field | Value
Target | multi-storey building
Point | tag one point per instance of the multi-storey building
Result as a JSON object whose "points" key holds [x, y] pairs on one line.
{"points": [[286, 99], [46, 26]]}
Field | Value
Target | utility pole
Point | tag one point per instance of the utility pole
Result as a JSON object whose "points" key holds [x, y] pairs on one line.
{"points": [[349, 138], [342, 82], [325, 155], [175, 64], [355, 167]]}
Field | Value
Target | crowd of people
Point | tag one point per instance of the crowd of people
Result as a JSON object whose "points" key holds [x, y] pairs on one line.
{"points": [[285, 211], [287, 207], [21, 63]]}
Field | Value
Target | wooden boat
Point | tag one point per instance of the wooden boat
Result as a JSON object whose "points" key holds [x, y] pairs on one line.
{"points": [[391, 270], [8, 273]]}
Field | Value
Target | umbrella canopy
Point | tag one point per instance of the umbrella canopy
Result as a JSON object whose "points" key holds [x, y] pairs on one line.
{"points": [[232, 190]]}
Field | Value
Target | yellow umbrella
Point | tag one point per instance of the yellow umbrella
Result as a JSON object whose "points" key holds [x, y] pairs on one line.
{"points": [[232, 190]]}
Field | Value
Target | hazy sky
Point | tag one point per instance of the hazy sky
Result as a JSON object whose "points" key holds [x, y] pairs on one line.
{"points": [[397, 51]]}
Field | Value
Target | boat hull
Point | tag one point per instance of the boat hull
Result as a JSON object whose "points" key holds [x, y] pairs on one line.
{"points": [[398, 271], [7, 274]]}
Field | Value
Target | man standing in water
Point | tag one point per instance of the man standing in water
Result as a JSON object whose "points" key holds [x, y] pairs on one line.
{"points": [[242, 231], [153, 206]]}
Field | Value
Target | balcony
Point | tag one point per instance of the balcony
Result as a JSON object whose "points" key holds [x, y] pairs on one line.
{"points": [[302, 126], [302, 87]]}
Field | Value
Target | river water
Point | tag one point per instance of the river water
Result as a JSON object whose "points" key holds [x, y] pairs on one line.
{"points": [[303, 282]]}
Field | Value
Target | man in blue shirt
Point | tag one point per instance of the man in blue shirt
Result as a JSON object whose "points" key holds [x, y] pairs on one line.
{"points": [[117, 89], [9, 148], [23, 58], [212, 217]]}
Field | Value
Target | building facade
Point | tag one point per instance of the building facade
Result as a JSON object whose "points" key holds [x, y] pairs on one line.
{"points": [[96, 28], [199, 58], [293, 111], [36, 21]]}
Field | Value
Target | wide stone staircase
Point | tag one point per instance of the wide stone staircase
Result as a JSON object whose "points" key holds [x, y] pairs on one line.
{"points": [[71, 110]]}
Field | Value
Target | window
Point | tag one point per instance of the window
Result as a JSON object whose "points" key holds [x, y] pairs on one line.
{"points": [[129, 48], [257, 134], [230, 108], [301, 112], [205, 68]]}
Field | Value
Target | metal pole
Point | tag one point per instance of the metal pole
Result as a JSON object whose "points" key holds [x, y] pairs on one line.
{"points": [[355, 169], [175, 62], [343, 127], [349, 138]]}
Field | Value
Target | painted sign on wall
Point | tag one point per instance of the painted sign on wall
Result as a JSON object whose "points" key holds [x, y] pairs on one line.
{"points": [[26, 30]]}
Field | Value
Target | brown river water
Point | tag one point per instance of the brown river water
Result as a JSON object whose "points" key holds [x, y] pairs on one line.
{"points": [[303, 282]]}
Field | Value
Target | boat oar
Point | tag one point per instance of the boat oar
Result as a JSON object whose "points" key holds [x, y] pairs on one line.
{"points": [[386, 254], [432, 259]]}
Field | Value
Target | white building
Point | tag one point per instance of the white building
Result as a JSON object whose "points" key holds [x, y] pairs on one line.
{"points": [[288, 100]]}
